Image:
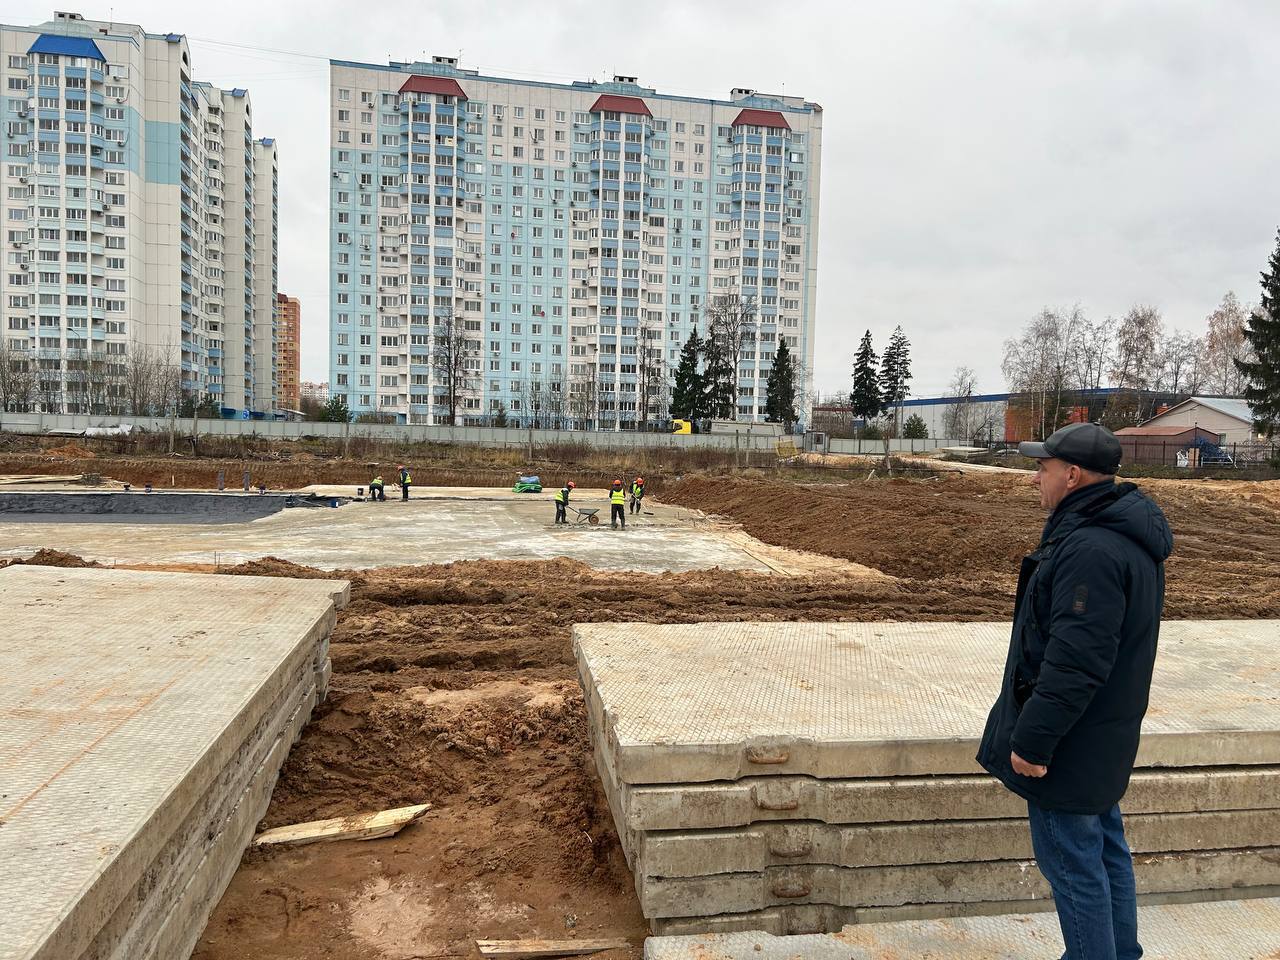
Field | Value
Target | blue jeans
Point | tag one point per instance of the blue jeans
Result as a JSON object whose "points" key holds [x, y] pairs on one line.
{"points": [[1088, 865]]}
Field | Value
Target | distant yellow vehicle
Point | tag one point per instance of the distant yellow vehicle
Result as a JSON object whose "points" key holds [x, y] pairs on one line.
{"points": [[682, 426]]}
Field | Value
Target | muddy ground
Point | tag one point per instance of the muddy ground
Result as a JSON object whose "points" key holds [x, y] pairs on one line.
{"points": [[455, 685]]}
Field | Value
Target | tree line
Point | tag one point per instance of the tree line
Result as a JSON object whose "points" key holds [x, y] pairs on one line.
{"points": [[704, 384], [1061, 356]]}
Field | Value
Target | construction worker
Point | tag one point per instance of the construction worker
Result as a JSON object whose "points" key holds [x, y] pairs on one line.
{"points": [[375, 490], [405, 481], [562, 502], [637, 494], [618, 506]]}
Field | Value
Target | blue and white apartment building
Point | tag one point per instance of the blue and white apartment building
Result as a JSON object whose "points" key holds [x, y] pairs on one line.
{"points": [[139, 219], [577, 230]]}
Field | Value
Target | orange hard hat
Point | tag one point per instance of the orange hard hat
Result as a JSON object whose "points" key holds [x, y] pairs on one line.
{"points": [[571, 485], [639, 479], [617, 483]]}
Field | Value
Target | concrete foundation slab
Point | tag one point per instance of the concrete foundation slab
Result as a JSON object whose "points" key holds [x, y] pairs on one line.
{"points": [[887, 699], [128, 698], [732, 803], [936, 883], [764, 846], [360, 535], [1234, 930]]}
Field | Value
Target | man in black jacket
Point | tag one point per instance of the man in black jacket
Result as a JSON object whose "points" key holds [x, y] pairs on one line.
{"points": [[1063, 733]]}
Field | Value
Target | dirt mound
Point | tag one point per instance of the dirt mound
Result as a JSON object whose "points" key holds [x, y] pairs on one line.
{"points": [[906, 527], [50, 558], [981, 525], [275, 567], [71, 451]]}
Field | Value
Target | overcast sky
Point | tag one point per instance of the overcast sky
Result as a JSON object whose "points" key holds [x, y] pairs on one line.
{"points": [[981, 160]]}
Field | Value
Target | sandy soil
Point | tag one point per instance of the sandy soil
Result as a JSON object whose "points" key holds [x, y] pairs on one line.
{"points": [[454, 685]]}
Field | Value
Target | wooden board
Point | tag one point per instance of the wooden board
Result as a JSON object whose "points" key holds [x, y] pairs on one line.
{"points": [[364, 826], [548, 948]]}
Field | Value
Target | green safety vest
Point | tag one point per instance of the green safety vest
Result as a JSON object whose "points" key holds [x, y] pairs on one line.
{"points": [[618, 496], [376, 482], [637, 489], [563, 495], [407, 478]]}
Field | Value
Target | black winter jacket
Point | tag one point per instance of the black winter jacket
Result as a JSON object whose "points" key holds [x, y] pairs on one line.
{"points": [[1078, 676]]}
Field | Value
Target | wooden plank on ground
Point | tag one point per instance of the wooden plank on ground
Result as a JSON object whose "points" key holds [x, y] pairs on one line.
{"points": [[364, 826], [548, 948]]}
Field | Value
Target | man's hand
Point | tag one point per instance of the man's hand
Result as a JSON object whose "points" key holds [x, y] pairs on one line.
{"points": [[1024, 769]]}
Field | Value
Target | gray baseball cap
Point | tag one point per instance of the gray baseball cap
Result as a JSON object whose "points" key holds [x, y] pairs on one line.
{"points": [[1087, 445]]}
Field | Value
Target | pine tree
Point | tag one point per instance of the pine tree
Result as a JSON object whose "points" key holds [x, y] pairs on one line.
{"points": [[687, 396], [780, 402], [717, 383], [865, 398], [915, 428], [1263, 334], [895, 369]]}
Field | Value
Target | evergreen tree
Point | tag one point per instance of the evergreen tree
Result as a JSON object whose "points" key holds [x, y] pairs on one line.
{"points": [[687, 396], [1263, 334], [865, 398], [780, 403], [336, 410], [915, 428], [717, 383], [895, 369]]}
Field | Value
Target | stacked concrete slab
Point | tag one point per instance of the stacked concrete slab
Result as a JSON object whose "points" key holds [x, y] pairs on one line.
{"points": [[795, 778], [144, 718], [1235, 930]]}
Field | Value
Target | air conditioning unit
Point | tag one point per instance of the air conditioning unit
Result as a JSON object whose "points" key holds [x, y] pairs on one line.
{"points": [[24, 266], [22, 179]]}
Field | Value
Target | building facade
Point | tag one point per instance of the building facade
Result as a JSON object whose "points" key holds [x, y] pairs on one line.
{"points": [[132, 219], [288, 352], [317, 392], [565, 238]]}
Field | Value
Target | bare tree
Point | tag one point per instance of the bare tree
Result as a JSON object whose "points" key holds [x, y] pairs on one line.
{"points": [[1225, 343], [1137, 346], [1090, 352], [653, 394], [143, 377], [1177, 361], [453, 349], [1039, 363], [17, 379], [49, 389], [958, 421], [556, 403], [584, 394], [731, 326], [533, 397]]}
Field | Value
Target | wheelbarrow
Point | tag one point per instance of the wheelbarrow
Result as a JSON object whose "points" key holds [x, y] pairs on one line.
{"points": [[589, 515]]}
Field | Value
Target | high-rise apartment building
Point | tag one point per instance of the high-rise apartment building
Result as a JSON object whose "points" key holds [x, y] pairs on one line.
{"points": [[317, 392], [574, 233], [138, 217], [288, 352]]}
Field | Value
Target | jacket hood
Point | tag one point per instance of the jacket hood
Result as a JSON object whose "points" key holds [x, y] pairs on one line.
{"points": [[1136, 516]]}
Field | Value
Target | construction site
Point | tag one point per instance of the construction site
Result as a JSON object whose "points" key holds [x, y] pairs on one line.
{"points": [[299, 723]]}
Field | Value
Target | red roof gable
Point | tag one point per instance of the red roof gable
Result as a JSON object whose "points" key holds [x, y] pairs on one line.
{"points": [[761, 118], [443, 85], [609, 101]]}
